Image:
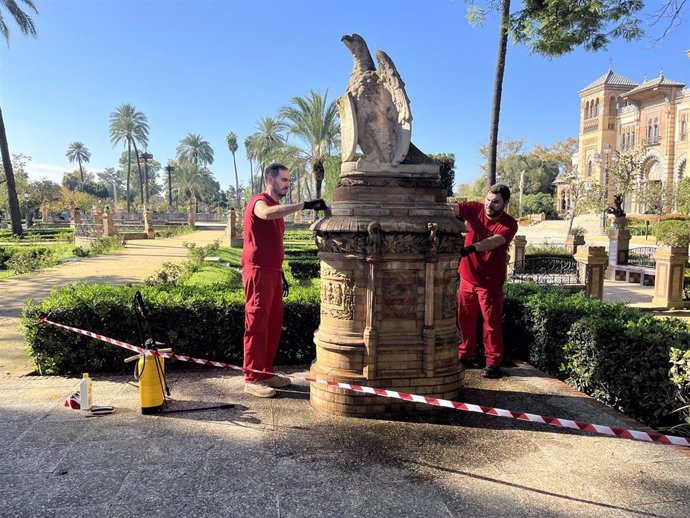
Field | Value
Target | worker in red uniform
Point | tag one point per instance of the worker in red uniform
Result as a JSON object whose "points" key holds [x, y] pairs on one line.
{"points": [[264, 280], [482, 269]]}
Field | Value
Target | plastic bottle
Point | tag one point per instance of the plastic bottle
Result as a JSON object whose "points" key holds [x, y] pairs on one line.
{"points": [[86, 392]]}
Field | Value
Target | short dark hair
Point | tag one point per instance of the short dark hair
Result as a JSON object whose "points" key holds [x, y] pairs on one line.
{"points": [[274, 169], [501, 189]]}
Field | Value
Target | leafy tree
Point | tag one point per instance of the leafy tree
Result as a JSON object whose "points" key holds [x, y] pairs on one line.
{"points": [[44, 190], [683, 197], [553, 28], [21, 179], [96, 189], [314, 121], [538, 203], [113, 178], [657, 197], [231, 140], [194, 149], [70, 181], [129, 126], [80, 153], [26, 25]]}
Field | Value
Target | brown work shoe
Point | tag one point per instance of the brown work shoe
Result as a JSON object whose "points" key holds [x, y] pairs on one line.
{"points": [[278, 382], [259, 389]]}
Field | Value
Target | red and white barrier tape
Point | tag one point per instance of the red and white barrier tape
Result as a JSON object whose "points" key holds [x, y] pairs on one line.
{"points": [[467, 407]]}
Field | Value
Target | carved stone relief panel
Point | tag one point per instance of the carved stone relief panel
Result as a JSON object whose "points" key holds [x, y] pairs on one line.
{"points": [[399, 295], [337, 294], [449, 295]]}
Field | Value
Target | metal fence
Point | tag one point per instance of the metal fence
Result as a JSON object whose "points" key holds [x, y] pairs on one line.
{"points": [[94, 230], [642, 256], [545, 270]]}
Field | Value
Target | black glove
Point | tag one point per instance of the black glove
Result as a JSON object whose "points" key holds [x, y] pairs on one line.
{"points": [[467, 250], [315, 205], [286, 286]]}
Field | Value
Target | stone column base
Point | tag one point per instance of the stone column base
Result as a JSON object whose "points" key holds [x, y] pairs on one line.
{"points": [[349, 403]]}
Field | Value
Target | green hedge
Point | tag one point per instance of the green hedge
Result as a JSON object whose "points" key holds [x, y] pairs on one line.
{"points": [[619, 355], [204, 323], [626, 364]]}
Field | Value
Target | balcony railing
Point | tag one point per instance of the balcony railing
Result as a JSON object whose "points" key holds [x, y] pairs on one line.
{"points": [[590, 125], [652, 141]]}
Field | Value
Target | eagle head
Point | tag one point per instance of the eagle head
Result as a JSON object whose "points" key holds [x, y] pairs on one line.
{"points": [[360, 52]]}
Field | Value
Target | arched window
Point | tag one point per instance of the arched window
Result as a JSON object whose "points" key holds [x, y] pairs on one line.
{"points": [[596, 108], [684, 127], [656, 128], [612, 105], [589, 168], [587, 110], [650, 129]]}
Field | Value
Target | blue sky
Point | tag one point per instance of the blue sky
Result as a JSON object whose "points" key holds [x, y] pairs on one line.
{"points": [[213, 66]]}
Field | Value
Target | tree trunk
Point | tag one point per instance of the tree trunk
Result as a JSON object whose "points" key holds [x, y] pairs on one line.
{"points": [[319, 173], [81, 171], [498, 91], [237, 184], [13, 200], [251, 176], [129, 171]]}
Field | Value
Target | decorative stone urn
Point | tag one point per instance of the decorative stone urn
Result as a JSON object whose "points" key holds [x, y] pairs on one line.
{"points": [[389, 255]]}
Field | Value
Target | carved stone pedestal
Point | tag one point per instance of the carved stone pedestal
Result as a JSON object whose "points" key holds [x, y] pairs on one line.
{"points": [[389, 259], [619, 248], [670, 271]]}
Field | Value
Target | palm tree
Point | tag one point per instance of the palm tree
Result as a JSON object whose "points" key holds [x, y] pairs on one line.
{"points": [[129, 126], [79, 152], [26, 25], [231, 140], [313, 120], [193, 148], [250, 150], [267, 142], [191, 182]]}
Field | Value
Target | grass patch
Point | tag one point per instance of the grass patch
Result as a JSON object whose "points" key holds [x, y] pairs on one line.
{"points": [[16, 260]]}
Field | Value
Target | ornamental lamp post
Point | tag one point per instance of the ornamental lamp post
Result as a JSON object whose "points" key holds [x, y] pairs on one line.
{"points": [[169, 169], [597, 159]]}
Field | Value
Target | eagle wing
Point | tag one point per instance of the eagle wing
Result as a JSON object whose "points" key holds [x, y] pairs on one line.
{"points": [[392, 81], [348, 127]]}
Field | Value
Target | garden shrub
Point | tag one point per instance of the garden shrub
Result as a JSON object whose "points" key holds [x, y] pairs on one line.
{"points": [[204, 323], [625, 360], [30, 259], [304, 267], [674, 233], [172, 231]]}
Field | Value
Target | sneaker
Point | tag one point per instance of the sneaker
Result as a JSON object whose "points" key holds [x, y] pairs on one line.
{"points": [[259, 389], [278, 382], [492, 371]]}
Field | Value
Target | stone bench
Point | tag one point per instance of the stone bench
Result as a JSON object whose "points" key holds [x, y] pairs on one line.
{"points": [[633, 274]]}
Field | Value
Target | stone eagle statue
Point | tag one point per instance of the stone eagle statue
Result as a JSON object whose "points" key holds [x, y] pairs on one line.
{"points": [[375, 111]]}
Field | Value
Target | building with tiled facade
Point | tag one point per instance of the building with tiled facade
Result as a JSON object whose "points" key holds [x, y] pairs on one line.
{"points": [[619, 115]]}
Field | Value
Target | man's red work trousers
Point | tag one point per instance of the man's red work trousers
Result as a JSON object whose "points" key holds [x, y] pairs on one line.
{"points": [[472, 299], [263, 320]]}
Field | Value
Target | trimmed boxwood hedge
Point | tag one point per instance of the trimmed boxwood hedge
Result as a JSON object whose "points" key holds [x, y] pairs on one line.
{"points": [[204, 323], [619, 355]]}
